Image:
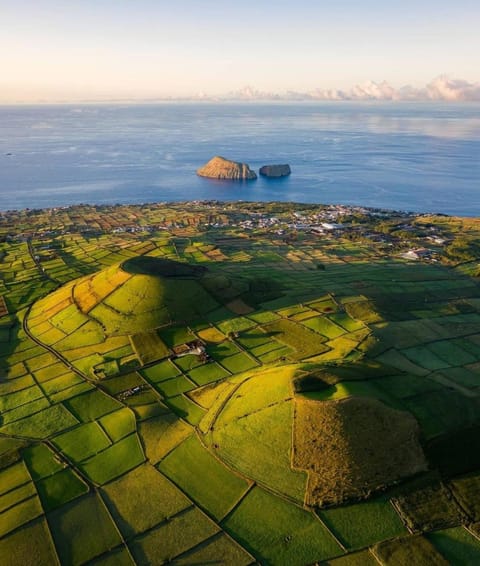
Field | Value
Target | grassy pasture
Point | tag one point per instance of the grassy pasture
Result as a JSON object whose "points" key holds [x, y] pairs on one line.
{"points": [[141, 499], [424, 357], [402, 386], [240, 441], [92, 405], [42, 424], [20, 514], [456, 545], [176, 335], [408, 550], [60, 383], [25, 410], [82, 530], [118, 424], [221, 549], [186, 408], [70, 392], [120, 556], [89, 334], [19, 398], [115, 385], [181, 533], [148, 347], [30, 544], [149, 411], [116, 460], [60, 488], [304, 342], [277, 532], [324, 326], [238, 363], [175, 386], [160, 372], [69, 319], [82, 442], [188, 466], [224, 350], [451, 353], [41, 461], [207, 373], [363, 524], [161, 434], [17, 495], [45, 374]]}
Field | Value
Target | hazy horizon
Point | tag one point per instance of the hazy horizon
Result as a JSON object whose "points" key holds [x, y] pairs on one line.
{"points": [[99, 51]]}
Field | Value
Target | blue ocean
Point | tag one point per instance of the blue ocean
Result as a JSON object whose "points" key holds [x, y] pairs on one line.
{"points": [[404, 156]]}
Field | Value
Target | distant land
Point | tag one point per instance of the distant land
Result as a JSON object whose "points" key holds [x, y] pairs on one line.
{"points": [[441, 88]]}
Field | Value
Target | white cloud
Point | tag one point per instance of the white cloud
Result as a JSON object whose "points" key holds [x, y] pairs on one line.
{"points": [[440, 88], [445, 88]]}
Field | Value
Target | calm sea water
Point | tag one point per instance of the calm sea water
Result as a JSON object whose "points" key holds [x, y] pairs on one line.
{"points": [[418, 157]]}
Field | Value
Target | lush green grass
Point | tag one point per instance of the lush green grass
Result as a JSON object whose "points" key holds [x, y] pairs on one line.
{"points": [[123, 456], [207, 373], [425, 358], [179, 534], [41, 461], [90, 406], [278, 532], [238, 363], [141, 499], [118, 424], [82, 442], [324, 326], [16, 495], [20, 514], [220, 549], [82, 530], [42, 424], [19, 398], [190, 463], [60, 488], [402, 386], [457, 545], [169, 428], [364, 524], [304, 341], [118, 557], [262, 457], [160, 372], [408, 550], [13, 476], [148, 347], [30, 544], [186, 409], [174, 386], [176, 335]]}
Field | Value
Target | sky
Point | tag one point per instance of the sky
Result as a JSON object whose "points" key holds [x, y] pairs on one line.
{"points": [[100, 49]]}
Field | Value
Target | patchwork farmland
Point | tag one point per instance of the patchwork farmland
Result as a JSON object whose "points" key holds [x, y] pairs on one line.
{"points": [[178, 386]]}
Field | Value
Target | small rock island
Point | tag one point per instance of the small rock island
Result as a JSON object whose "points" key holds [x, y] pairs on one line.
{"points": [[220, 168], [275, 170]]}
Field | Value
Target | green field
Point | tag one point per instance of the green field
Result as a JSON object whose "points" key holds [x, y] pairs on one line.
{"points": [[334, 418], [187, 466], [280, 533]]}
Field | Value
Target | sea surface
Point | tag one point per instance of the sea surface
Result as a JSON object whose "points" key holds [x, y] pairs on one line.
{"points": [[405, 156]]}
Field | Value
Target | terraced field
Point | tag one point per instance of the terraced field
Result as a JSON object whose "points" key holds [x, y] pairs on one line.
{"points": [[195, 396]]}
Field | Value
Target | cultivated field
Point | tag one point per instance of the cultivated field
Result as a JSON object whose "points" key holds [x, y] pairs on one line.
{"points": [[208, 383]]}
